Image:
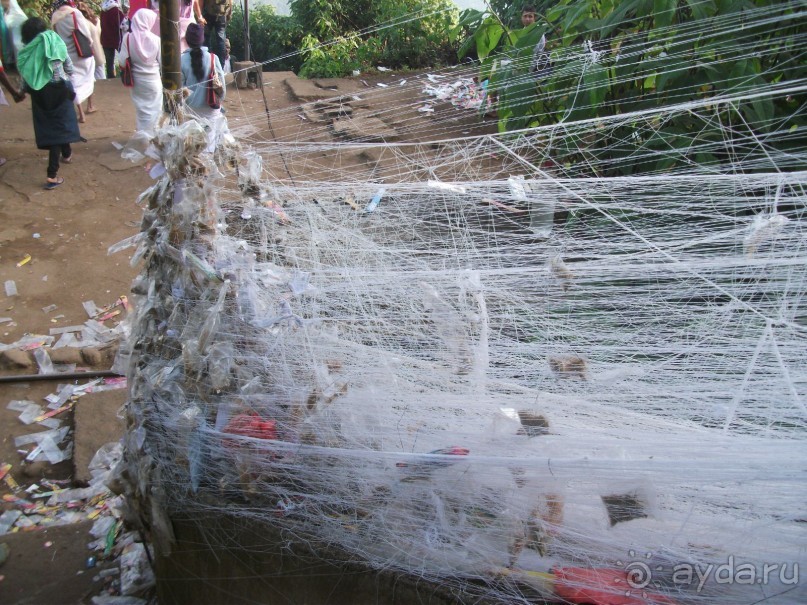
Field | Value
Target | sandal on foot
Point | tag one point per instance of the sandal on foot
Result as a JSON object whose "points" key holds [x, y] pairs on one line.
{"points": [[3, 161], [68, 159], [53, 184]]}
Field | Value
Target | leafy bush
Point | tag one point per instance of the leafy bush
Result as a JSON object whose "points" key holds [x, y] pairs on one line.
{"points": [[273, 38], [36, 8], [397, 33], [420, 36], [330, 19], [334, 60], [676, 52], [510, 12]]}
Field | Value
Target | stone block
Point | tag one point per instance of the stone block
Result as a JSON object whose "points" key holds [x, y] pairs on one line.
{"points": [[247, 74], [14, 359], [66, 355], [100, 356]]}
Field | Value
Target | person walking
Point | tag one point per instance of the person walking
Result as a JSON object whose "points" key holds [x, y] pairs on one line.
{"points": [[97, 49], [111, 19], [142, 47], [66, 19], [216, 14], [44, 64], [202, 75]]}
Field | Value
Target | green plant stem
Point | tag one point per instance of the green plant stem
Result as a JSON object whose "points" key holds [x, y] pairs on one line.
{"points": [[504, 27]]}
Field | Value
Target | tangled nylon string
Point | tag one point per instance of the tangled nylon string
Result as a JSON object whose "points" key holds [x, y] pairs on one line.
{"points": [[468, 362]]}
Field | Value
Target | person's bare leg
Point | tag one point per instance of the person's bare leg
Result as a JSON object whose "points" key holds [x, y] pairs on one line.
{"points": [[81, 118], [91, 108]]}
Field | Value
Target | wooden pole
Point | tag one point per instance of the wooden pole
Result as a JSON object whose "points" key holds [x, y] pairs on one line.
{"points": [[169, 44], [246, 31], [59, 376]]}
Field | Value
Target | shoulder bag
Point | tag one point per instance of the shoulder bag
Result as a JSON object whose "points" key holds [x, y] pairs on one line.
{"points": [[213, 86], [126, 75], [82, 42]]}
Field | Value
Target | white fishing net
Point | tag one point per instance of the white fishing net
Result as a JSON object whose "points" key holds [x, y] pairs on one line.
{"points": [[477, 363]]}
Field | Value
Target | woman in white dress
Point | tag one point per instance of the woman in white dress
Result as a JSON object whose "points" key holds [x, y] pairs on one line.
{"points": [[142, 48], [199, 68], [97, 49], [65, 20]]}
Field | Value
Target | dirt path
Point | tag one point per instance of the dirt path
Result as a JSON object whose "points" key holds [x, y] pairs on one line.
{"points": [[66, 232]]}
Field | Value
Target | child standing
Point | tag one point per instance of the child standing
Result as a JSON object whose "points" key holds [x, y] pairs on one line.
{"points": [[45, 68]]}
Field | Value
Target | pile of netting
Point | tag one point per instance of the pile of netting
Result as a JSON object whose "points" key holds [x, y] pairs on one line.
{"points": [[466, 361]]}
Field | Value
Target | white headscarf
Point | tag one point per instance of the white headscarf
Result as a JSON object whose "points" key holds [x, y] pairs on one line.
{"points": [[109, 4], [145, 44]]}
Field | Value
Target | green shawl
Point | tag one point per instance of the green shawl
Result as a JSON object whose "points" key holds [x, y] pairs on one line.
{"points": [[34, 60]]}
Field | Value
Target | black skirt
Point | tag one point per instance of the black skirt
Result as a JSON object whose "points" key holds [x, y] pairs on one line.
{"points": [[54, 115]]}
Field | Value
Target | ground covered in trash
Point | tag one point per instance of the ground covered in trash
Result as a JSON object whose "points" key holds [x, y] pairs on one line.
{"points": [[63, 297]]}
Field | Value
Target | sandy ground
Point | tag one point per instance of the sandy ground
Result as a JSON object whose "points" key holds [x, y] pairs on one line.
{"points": [[67, 232]]}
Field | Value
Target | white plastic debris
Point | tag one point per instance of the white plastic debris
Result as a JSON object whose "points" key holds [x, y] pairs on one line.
{"points": [[447, 187], [125, 243], [7, 520], [65, 329], [136, 574], [43, 361], [90, 308]]}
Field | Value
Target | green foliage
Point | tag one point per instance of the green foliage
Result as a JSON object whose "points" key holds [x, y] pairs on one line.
{"points": [[510, 12], [330, 19], [362, 34], [273, 38], [510, 82], [676, 53], [334, 60], [420, 34], [36, 8]]}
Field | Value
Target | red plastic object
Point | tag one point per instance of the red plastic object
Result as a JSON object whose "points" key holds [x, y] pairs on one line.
{"points": [[583, 586], [251, 425]]}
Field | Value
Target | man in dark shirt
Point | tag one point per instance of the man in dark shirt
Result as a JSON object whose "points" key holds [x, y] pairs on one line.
{"points": [[217, 14]]}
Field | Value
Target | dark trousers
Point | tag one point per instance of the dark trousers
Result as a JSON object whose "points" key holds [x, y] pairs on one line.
{"points": [[53, 158], [109, 53], [216, 36]]}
